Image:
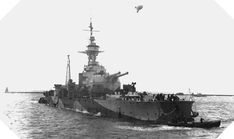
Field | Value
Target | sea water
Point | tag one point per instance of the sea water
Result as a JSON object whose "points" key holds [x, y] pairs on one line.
{"points": [[22, 113]]}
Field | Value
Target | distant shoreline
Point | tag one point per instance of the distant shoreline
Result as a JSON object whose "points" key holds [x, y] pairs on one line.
{"points": [[204, 95], [39, 92], [218, 95]]}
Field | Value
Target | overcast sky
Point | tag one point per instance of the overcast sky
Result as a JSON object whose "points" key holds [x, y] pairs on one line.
{"points": [[169, 46]]}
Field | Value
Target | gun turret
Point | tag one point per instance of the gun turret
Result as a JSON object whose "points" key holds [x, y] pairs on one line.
{"points": [[122, 74], [115, 74]]}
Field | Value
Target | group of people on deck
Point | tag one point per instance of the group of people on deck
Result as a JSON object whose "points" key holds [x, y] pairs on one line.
{"points": [[155, 97], [162, 97]]}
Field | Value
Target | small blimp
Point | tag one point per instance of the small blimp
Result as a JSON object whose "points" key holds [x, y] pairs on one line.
{"points": [[138, 8]]}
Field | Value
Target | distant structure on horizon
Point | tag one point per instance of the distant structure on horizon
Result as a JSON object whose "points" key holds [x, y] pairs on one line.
{"points": [[35, 91], [6, 90]]}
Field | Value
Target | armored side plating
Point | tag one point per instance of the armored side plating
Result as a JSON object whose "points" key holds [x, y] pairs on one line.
{"points": [[100, 92]]}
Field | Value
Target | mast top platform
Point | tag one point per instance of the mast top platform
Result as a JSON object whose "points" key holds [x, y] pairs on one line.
{"points": [[93, 49], [91, 30]]}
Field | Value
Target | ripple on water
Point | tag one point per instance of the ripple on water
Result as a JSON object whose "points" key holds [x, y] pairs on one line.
{"points": [[152, 129], [28, 119]]}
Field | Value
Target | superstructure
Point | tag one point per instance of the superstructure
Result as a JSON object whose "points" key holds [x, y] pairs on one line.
{"points": [[98, 91]]}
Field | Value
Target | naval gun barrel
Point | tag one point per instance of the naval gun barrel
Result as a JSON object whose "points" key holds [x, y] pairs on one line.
{"points": [[122, 74], [115, 74]]}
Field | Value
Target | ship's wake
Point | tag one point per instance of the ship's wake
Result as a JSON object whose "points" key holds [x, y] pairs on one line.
{"points": [[34, 101], [98, 114], [84, 111], [151, 129]]}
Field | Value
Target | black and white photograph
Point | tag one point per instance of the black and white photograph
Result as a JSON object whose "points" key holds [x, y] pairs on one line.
{"points": [[117, 69]]}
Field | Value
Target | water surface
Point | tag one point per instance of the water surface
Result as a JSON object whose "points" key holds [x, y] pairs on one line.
{"points": [[28, 119]]}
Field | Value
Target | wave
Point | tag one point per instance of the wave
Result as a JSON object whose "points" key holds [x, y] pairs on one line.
{"points": [[151, 129], [98, 114], [84, 111], [33, 101]]}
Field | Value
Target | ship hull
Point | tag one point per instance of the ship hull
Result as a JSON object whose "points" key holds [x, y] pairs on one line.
{"points": [[160, 112]]}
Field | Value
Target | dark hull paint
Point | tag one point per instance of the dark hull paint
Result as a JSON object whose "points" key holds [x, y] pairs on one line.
{"points": [[159, 112]]}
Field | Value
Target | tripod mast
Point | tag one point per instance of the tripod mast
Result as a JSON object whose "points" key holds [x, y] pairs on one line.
{"points": [[68, 71]]}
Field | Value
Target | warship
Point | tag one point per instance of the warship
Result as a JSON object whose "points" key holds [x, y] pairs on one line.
{"points": [[99, 92]]}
